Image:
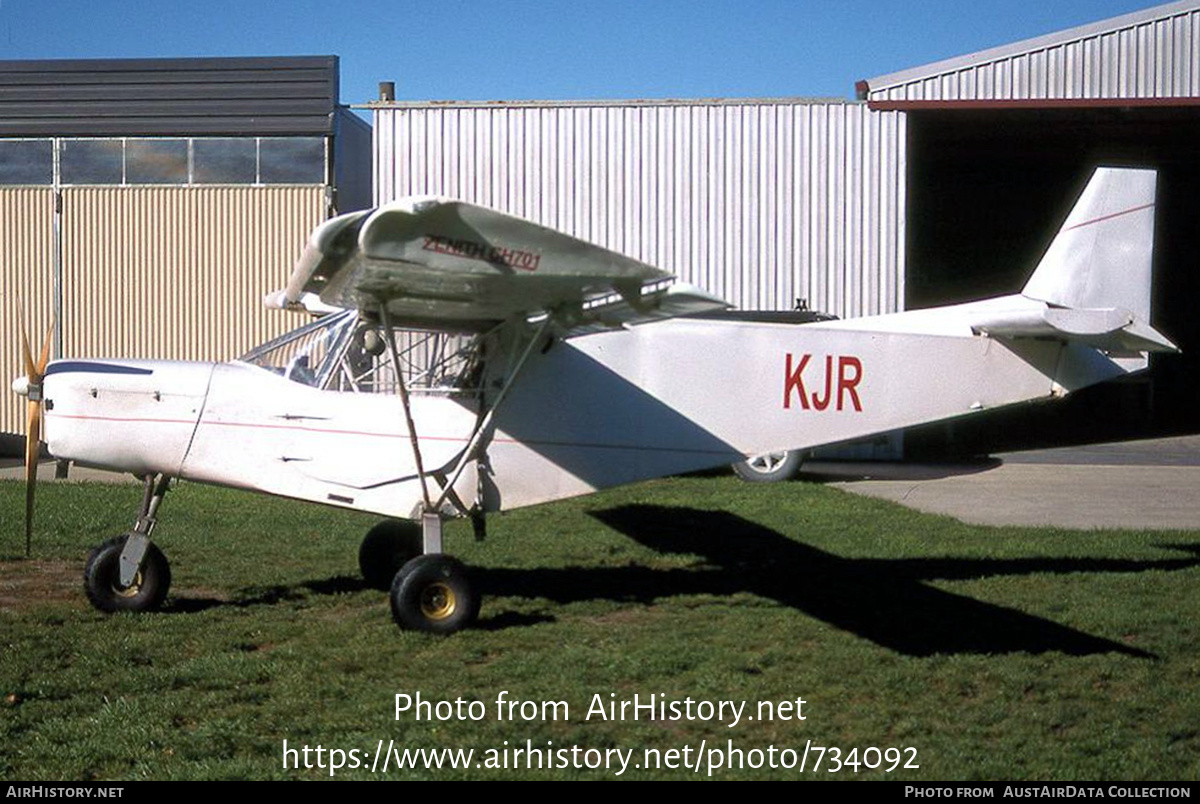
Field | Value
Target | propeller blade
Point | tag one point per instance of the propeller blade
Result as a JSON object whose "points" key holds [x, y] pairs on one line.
{"points": [[44, 357], [35, 372], [33, 437]]}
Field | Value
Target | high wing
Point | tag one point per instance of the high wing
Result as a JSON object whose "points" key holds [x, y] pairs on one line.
{"points": [[446, 263]]}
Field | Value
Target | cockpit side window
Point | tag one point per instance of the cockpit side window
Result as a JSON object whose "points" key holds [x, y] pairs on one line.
{"points": [[432, 362], [343, 352]]}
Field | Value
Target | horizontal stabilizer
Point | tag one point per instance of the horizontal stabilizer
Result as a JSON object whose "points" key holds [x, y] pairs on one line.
{"points": [[1110, 330]]}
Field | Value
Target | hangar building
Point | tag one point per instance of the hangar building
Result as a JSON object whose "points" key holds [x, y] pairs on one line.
{"points": [[151, 203], [941, 183], [147, 205], [998, 139]]}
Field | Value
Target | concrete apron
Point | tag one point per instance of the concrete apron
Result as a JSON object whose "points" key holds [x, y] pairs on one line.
{"points": [[1140, 485]]}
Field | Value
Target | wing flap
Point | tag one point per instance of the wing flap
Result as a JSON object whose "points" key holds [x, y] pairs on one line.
{"points": [[655, 302]]}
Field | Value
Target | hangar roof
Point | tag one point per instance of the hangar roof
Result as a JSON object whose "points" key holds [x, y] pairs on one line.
{"points": [[296, 95], [379, 105], [1150, 57]]}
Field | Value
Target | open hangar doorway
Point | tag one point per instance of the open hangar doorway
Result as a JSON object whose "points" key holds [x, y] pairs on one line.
{"points": [[987, 191]]}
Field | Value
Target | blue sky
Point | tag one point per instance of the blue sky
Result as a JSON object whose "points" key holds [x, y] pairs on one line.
{"points": [[567, 49]]}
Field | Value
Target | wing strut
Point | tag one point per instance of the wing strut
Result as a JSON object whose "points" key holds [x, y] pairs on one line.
{"points": [[431, 515], [404, 400], [472, 448]]}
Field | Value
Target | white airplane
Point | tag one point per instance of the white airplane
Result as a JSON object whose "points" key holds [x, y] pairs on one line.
{"points": [[470, 362]]}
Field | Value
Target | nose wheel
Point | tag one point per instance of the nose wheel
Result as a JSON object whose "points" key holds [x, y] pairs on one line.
{"points": [[102, 579], [129, 572]]}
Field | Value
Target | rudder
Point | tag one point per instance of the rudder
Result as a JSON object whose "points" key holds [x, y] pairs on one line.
{"points": [[1101, 257]]}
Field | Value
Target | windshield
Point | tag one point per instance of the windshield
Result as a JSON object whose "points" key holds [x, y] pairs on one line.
{"points": [[304, 355]]}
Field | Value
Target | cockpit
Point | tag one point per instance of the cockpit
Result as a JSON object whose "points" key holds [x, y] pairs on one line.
{"points": [[346, 352]]}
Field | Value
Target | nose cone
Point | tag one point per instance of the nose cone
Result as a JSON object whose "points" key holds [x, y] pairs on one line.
{"points": [[20, 386], [133, 416]]}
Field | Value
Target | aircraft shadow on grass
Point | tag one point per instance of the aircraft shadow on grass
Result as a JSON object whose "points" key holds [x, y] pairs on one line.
{"points": [[884, 600]]}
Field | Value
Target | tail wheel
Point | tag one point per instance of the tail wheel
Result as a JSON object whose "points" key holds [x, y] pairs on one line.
{"points": [[434, 593], [770, 467], [102, 579]]}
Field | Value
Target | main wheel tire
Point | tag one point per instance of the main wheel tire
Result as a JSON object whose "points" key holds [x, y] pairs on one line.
{"points": [[385, 549], [102, 579], [770, 467], [434, 593]]}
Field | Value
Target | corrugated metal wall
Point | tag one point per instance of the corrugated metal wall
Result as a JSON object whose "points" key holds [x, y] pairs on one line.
{"points": [[759, 202], [1153, 54], [152, 272], [176, 272], [26, 280]]}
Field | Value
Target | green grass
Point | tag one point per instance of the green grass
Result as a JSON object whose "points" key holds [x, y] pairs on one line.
{"points": [[998, 653]]}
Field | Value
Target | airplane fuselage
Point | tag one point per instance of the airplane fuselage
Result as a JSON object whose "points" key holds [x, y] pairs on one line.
{"points": [[586, 413]]}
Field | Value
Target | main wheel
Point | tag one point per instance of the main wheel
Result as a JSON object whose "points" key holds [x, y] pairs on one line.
{"points": [[770, 467], [434, 593], [386, 548], [102, 579]]}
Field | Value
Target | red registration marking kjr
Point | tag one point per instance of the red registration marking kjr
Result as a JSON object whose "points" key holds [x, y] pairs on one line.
{"points": [[849, 373]]}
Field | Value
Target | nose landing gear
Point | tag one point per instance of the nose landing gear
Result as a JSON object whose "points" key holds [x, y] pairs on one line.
{"points": [[129, 572], [103, 585]]}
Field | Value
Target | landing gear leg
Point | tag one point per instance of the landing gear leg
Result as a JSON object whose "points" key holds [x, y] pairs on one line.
{"points": [[129, 573], [434, 592]]}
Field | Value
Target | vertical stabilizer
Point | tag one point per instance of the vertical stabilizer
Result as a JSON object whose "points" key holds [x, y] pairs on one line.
{"points": [[1101, 255]]}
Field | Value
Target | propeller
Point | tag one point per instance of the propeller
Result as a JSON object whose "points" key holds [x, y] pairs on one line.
{"points": [[35, 371]]}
